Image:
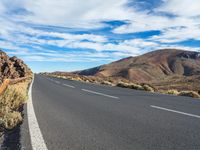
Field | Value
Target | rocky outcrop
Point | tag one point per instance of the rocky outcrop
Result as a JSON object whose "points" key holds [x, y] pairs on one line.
{"points": [[12, 67]]}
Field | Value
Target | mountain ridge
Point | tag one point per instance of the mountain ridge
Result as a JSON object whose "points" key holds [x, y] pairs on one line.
{"points": [[151, 66]]}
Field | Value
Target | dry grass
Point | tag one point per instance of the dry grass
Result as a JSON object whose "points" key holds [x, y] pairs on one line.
{"points": [[11, 119], [10, 102]]}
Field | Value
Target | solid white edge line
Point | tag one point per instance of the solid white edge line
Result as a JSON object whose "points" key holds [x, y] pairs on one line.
{"points": [[69, 85], [99, 93], [37, 140], [175, 111]]}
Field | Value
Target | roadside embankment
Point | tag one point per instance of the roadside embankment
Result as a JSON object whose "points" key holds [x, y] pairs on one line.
{"points": [[124, 83]]}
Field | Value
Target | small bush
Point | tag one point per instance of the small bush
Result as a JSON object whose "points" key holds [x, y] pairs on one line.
{"points": [[131, 86], [173, 92], [189, 94], [15, 95], [10, 102], [122, 84], [11, 119], [148, 88], [136, 86], [107, 83]]}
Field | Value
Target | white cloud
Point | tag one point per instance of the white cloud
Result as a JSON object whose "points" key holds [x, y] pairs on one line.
{"points": [[146, 22], [71, 13], [90, 14], [187, 48], [185, 8], [178, 34], [2, 8]]}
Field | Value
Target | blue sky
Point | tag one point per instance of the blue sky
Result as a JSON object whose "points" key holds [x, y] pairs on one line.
{"points": [[68, 35]]}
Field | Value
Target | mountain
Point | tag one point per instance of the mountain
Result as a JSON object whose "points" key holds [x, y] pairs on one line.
{"points": [[12, 67], [151, 67]]}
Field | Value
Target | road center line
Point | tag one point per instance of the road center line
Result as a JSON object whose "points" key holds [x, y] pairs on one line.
{"points": [[37, 140], [69, 85], [57, 82], [175, 111], [89, 91]]}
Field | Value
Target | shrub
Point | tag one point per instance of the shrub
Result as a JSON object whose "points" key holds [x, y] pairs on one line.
{"points": [[10, 102], [173, 92], [107, 83], [136, 86], [189, 94], [122, 84], [16, 94], [148, 88], [11, 119], [131, 86]]}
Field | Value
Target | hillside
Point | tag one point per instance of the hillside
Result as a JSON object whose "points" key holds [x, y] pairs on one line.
{"points": [[165, 69], [12, 67], [152, 66]]}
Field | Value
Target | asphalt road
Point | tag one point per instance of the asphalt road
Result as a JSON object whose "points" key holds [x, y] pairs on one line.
{"points": [[80, 116]]}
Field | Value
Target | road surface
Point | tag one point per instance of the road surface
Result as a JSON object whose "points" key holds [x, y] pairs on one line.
{"points": [[81, 116]]}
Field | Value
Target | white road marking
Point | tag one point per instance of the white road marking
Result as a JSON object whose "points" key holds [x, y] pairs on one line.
{"points": [[99, 93], [37, 140], [69, 85], [57, 82], [49, 79], [175, 111]]}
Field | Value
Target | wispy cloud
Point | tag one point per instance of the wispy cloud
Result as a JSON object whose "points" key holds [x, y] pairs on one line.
{"points": [[184, 8], [96, 30]]}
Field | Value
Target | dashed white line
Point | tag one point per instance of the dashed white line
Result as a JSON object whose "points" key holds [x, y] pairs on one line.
{"points": [[37, 140], [57, 82], [175, 111], [69, 86], [99, 93]]}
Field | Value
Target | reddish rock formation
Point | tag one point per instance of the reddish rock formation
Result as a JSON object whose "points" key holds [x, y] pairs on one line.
{"points": [[12, 67]]}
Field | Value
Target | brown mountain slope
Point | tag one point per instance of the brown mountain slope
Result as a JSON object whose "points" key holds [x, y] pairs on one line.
{"points": [[12, 67], [151, 67]]}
